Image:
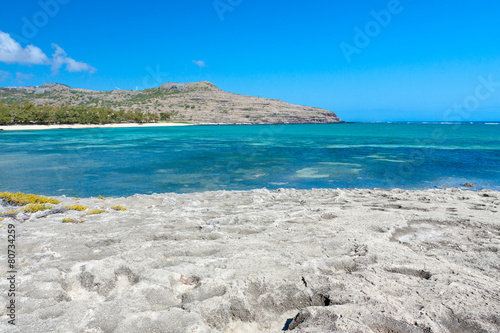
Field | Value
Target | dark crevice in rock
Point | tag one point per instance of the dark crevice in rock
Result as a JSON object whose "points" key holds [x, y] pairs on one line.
{"points": [[423, 274]]}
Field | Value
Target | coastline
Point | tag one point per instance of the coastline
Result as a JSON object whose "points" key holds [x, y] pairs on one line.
{"points": [[231, 261], [135, 125], [80, 126]]}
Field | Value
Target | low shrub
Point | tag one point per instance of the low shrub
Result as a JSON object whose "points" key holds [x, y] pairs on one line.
{"points": [[79, 208], [96, 211], [70, 220], [33, 208], [10, 212], [119, 208], [21, 199]]}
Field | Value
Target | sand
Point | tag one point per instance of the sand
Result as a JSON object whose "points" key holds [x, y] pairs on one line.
{"points": [[78, 126], [262, 261]]}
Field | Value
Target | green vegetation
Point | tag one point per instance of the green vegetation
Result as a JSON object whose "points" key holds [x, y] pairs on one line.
{"points": [[96, 211], [10, 212], [187, 106], [29, 113], [119, 208], [21, 199], [154, 93], [79, 208], [70, 220], [33, 208], [165, 115], [101, 197]]}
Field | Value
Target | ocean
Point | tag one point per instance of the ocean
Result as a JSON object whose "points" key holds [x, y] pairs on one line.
{"points": [[126, 161]]}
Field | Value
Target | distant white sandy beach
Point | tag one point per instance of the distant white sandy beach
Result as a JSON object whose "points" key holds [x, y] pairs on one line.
{"points": [[79, 126]]}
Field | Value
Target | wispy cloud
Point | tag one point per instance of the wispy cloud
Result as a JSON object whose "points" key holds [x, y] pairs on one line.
{"points": [[199, 63], [21, 77], [12, 52], [4, 75], [60, 58]]}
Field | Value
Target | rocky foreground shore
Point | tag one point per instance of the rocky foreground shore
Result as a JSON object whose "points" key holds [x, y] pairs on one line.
{"points": [[259, 261]]}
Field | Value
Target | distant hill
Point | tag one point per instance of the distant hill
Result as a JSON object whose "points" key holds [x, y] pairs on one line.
{"points": [[196, 102]]}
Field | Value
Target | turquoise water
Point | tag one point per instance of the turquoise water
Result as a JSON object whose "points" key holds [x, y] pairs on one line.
{"points": [[124, 161]]}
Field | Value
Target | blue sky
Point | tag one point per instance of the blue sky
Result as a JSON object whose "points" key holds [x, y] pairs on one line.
{"points": [[365, 60]]}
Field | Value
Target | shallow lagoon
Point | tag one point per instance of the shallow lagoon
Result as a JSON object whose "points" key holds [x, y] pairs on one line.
{"points": [[125, 161]]}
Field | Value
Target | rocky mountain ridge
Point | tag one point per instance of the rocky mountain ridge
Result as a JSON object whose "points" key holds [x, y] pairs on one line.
{"points": [[195, 102]]}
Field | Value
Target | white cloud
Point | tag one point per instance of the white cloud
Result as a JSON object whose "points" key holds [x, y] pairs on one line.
{"points": [[21, 77], [12, 52], [199, 63], [60, 58], [4, 75]]}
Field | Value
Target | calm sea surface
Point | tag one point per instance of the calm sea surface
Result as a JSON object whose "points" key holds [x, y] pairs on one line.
{"points": [[117, 162]]}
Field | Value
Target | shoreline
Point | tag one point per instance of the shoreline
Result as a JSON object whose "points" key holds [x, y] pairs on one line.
{"points": [[461, 189], [319, 260], [135, 125], [174, 124], [82, 126]]}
